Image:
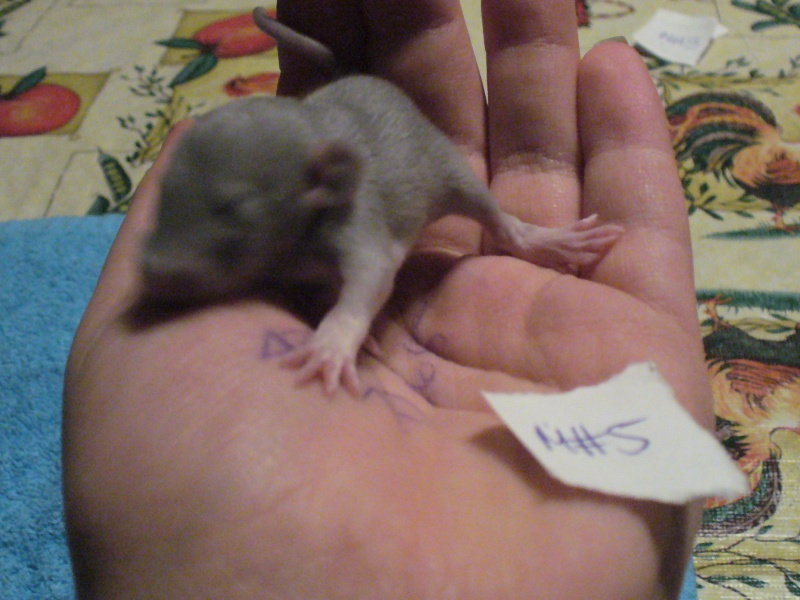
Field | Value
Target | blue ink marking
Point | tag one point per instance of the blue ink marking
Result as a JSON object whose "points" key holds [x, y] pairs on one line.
{"points": [[426, 374], [436, 344], [587, 442], [403, 409], [581, 440], [645, 443], [279, 343], [690, 41]]}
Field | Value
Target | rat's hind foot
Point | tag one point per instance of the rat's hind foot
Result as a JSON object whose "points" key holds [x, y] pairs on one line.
{"points": [[565, 249], [334, 364]]}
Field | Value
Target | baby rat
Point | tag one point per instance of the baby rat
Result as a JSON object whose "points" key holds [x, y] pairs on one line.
{"points": [[336, 186]]}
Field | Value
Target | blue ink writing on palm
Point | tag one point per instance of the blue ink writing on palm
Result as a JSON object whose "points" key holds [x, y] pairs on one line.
{"points": [[275, 344], [425, 375], [405, 411]]}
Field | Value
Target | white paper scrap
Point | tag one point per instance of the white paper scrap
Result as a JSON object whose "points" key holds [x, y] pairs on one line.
{"points": [[627, 436], [677, 37]]}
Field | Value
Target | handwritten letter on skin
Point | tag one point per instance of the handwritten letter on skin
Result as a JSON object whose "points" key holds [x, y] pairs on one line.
{"points": [[627, 436]]}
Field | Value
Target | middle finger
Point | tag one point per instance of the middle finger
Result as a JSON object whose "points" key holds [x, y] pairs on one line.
{"points": [[532, 61]]}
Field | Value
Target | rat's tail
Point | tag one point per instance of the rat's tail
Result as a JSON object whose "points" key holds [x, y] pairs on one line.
{"points": [[296, 42]]}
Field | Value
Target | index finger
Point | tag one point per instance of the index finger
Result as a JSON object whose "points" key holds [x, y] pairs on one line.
{"points": [[421, 45]]}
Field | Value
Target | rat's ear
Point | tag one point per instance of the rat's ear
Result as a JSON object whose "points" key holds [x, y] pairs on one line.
{"points": [[335, 170]]}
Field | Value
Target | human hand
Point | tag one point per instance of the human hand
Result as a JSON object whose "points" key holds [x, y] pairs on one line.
{"points": [[195, 467]]}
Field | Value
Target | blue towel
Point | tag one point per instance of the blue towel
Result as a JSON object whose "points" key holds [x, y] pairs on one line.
{"points": [[48, 269]]}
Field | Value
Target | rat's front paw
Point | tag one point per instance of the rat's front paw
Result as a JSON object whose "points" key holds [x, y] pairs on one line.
{"points": [[327, 359]]}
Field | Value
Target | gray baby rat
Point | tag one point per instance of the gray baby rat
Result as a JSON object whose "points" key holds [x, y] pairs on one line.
{"points": [[335, 186]]}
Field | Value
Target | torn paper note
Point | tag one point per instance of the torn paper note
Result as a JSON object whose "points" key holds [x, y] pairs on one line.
{"points": [[627, 436], [677, 37]]}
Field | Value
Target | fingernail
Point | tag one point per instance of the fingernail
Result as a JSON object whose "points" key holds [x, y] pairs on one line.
{"points": [[617, 38]]}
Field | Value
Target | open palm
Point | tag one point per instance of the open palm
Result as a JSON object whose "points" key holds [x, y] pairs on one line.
{"points": [[195, 467]]}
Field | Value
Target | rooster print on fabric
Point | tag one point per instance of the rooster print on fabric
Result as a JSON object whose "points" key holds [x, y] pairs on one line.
{"points": [[747, 548], [736, 136], [754, 369]]}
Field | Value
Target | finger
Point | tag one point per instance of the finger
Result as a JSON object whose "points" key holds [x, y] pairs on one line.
{"points": [[631, 179], [422, 45], [425, 47], [532, 59], [478, 314], [338, 25]]}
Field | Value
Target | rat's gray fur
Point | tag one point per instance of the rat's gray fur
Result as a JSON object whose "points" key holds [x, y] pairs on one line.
{"points": [[337, 185]]}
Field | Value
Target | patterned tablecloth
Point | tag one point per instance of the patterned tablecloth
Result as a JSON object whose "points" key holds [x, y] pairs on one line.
{"points": [[95, 84]]}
